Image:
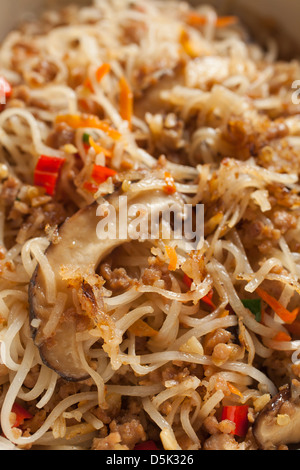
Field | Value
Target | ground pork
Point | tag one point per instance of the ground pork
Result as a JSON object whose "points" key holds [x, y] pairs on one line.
{"points": [[116, 279], [155, 273], [123, 435], [221, 442], [60, 136], [110, 442], [216, 337], [9, 191], [131, 431]]}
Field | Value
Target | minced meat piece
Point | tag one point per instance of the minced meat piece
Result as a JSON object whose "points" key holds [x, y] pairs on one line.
{"points": [[110, 442], [131, 432]]}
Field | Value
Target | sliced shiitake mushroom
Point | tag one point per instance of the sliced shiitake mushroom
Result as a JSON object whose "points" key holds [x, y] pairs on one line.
{"points": [[80, 247], [278, 423]]}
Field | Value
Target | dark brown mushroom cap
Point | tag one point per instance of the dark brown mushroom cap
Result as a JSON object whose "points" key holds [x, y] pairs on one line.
{"points": [[269, 430], [80, 247]]}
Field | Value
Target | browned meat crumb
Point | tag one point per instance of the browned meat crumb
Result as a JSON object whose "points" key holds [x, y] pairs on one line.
{"points": [[155, 273], [60, 136], [116, 279], [131, 432], [221, 442], [110, 442]]}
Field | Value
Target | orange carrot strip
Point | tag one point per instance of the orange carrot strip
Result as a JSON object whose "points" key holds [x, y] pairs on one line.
{"points": [[98, 148], [280, 310], [224, 21], [100, 73], [126, 101], [282, 336], [234, 390], [194, 19], [169, 186], [141, 328], [103, 70], [187, 45], [172, 256], [77, 121]]}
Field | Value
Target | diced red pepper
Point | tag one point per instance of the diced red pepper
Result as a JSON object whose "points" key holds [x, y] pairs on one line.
{"points": [[148, 445], [47, 180], [46, 172], [239, 416], [101, 173], [49, 164], [5, 89], [21, 414]]}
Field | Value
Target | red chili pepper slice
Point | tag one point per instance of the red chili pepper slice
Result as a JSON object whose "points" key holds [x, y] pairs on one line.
{"points": [[148, 445], [90, 187], [47, 180], [49, 164], [46, 172], [101, 173], [239, 416], [21, 414]]}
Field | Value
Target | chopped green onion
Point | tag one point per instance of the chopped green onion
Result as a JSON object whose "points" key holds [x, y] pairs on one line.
{"points": [[254, 305], [86, 138]]}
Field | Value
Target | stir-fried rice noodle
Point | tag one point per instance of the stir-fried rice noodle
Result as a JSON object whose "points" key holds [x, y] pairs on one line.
{"points": [[170, 345]]}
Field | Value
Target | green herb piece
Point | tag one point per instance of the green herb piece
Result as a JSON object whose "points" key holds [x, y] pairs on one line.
{"points": [[86, 138], [254, 305]]}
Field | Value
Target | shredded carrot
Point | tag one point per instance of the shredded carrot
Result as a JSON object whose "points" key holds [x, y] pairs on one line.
{"points": [[282, 336], [103, 70], [169, 186], [99, 149], [234, 390], [224, 21], [141, 328], [100, 73], [77, 121], [194, 19], [171, 253], [280, 310], [126, 101], [187, 45]]}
